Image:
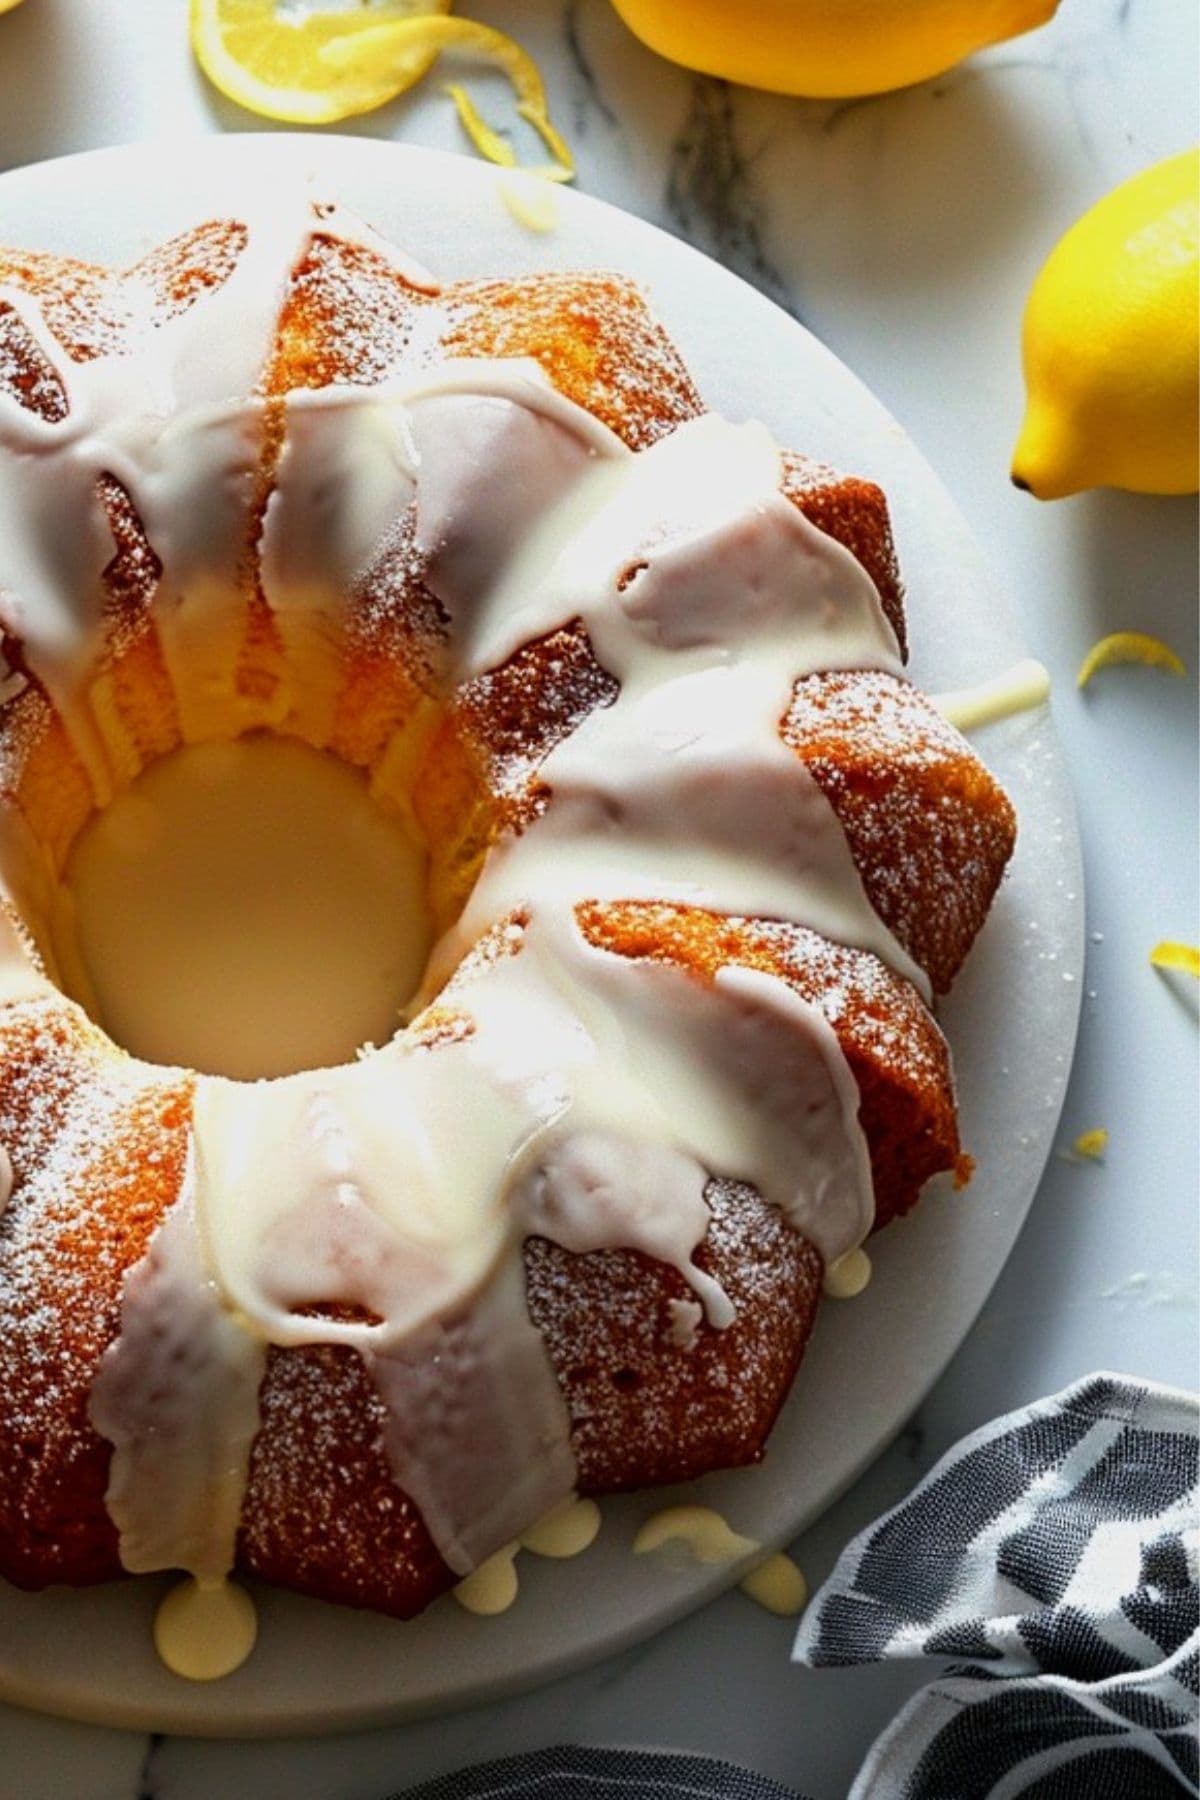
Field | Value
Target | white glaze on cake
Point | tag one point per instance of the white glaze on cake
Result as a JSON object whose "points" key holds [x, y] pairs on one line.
{"points": [[383, 1204], [177, 1397]]}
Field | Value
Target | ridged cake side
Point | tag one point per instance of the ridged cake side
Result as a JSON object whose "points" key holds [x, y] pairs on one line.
{"points": [[99, 1143]]}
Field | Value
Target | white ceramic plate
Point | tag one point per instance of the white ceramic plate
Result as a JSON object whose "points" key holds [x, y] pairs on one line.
{"points": [[1011, 1020]]}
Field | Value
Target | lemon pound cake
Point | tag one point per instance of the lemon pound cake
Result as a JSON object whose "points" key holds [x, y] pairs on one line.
{"points": [[696, 856]]}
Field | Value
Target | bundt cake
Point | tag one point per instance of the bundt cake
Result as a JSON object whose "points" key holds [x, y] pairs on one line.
{"points": [[699, 857]]}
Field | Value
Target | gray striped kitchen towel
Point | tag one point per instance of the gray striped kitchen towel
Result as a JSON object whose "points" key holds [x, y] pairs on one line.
{"points": [[577, 1772], [1053, 1555], [1052, 1558]]}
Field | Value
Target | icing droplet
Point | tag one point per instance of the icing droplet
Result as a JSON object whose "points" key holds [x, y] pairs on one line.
{"points": [[774, 1583], [492, 1587], [530, 199], [568, 1530], [778, 1585], [846, 1278], [205, 1630], [1017, 690], [701, 1531]]}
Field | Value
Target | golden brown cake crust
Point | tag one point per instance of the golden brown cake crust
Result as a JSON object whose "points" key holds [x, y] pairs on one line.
{"points": [[892, 1046], [98, 1142], [98, 1145], [930, 830]]}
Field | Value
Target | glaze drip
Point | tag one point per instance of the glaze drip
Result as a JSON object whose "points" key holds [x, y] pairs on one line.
{"points": [[177, 1397]]}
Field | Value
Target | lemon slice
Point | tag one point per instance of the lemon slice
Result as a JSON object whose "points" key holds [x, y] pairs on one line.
{"points": [[1184, 957], [382, 47], [271, 62], [1129, 647]]}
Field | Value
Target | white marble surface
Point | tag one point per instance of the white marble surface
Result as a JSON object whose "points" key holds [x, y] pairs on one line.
{"points": [[905, 232]]}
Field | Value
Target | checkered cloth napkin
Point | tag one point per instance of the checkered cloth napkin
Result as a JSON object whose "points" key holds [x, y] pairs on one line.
{"points": [[1053, 1557]]}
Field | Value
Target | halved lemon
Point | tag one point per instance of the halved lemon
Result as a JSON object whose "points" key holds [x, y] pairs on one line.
{"points": [[269, 58]]}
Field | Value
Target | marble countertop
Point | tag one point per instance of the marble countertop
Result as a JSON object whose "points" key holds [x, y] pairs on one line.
{"points": [[905, 232]]}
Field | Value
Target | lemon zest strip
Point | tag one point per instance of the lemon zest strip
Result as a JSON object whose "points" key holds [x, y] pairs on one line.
{"points": [[488, 142], [1170, 955], [378, 44], [1091, 1144], [563, 168], [1129, 647]]}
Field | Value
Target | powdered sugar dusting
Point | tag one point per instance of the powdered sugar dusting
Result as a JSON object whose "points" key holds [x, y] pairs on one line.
{"points": [[26, 373], [97, 1146], [95, 312], [929, 828]]}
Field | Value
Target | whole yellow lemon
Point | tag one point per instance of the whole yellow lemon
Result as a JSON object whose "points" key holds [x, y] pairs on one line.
{"points": [[1111, 345], [827, 49]]}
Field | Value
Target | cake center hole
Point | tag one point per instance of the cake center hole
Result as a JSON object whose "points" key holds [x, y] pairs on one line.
{"points": [[245, 909]]}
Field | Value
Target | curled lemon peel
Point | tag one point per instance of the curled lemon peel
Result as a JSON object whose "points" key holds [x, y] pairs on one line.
{"points": [[488, 142], [1129, 647], [377, 46], [1183, 957], [325, 66], [1091, 1144]]}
